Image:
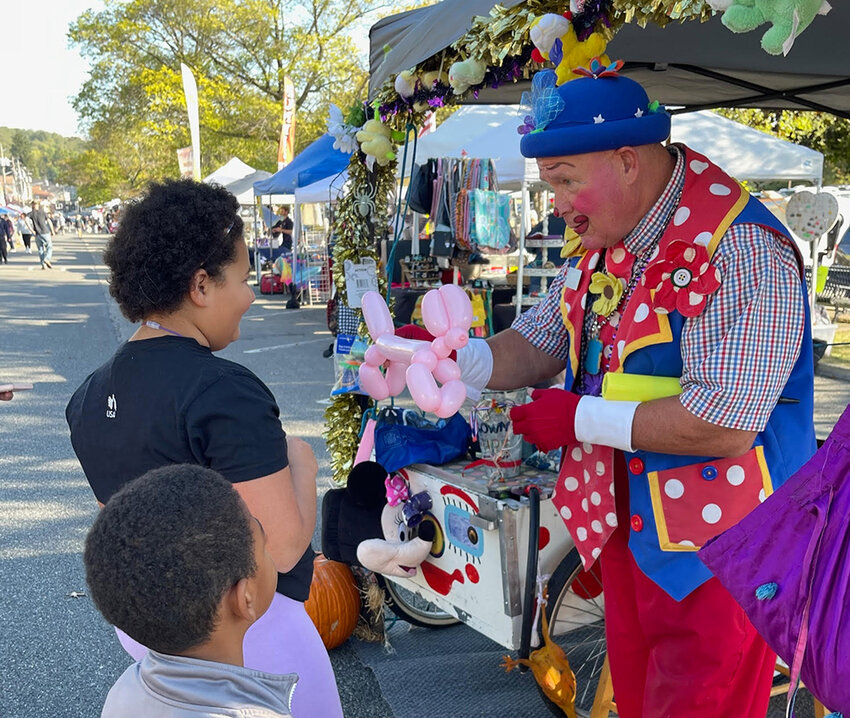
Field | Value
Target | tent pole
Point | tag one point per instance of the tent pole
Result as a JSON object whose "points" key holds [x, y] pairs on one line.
{"points": [[256, 232], [814, 284], [523, 219], [414, 235], [296, 239]]}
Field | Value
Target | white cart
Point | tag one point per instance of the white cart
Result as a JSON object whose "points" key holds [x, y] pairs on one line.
{"points": [[477, 569]]}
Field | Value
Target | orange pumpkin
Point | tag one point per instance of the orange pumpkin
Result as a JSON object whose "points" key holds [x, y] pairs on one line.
{"points": [[334, 602]]}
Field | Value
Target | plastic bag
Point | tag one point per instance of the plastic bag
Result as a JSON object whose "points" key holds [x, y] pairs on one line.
{"points": [[492, 211], [404, 437], [346, 366]]}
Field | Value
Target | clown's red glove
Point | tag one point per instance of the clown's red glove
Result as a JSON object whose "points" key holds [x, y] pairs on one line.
{"points": [[549, 420], [556, 418]]}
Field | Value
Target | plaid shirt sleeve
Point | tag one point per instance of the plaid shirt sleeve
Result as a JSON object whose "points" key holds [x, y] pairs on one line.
{"points": [[542, 326], [738, 354]]}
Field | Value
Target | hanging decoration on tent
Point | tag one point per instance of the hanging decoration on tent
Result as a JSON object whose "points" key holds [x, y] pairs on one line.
{"points": [[376, 143], [788, 18], [343, 130], [466, 73], [555, 39]]}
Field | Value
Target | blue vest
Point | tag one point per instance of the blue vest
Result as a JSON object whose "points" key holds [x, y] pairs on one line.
{"points": [[658, 483]]}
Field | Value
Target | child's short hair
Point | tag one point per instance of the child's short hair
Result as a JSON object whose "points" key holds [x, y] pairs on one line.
{"points": [[164, 550]]}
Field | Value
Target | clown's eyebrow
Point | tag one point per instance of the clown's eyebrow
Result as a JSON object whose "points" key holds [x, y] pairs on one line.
{"points": [[555, 166]]}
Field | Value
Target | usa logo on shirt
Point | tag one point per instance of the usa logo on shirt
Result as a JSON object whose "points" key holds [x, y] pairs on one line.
{"points": [[111, 406]]}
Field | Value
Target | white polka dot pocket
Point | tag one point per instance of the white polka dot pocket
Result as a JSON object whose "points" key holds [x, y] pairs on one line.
{"points": [[694, 503]]}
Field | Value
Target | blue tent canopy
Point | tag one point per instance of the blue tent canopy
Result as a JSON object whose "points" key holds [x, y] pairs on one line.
{"points": [[317, 161]]}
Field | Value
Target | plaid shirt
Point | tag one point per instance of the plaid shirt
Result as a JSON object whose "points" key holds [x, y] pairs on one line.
{"points": [[738, 354]]}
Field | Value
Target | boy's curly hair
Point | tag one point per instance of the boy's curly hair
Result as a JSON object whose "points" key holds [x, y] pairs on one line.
{"points": [[163, 552], [178, 227]]}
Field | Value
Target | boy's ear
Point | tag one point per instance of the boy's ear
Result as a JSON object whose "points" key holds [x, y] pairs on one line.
{"points": [[199, 288], [242, 600]]}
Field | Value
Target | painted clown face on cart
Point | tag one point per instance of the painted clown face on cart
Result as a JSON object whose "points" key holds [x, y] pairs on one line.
{"points": [[591, 193], [458, 546]]}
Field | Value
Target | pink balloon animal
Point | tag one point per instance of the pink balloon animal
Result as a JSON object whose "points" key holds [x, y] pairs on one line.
{"points": [[447, 313]]}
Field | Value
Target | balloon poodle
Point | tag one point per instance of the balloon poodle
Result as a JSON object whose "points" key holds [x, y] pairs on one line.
{"points": [[447, 314]]}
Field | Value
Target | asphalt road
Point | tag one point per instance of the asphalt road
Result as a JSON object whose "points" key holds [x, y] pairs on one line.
{"points": [[58, 658]]}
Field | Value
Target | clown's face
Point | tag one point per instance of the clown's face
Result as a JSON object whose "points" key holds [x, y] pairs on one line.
{"points": [[593, 195]]}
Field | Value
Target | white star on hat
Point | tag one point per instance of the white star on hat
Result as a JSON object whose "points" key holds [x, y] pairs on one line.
{"points": [[639, 112], [598, 120]]}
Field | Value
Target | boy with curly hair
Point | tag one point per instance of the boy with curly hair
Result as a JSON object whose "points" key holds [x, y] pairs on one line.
{"points": [[176, 561]]}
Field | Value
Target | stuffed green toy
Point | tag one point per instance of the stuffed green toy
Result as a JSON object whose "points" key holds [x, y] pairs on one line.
{"points": [[788, 17]]}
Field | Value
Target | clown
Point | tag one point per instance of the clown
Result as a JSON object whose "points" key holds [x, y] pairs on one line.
{"points": [[683, 275]]}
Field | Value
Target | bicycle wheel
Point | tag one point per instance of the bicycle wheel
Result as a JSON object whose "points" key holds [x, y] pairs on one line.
{"points": [[414, 609], [575, 610]]}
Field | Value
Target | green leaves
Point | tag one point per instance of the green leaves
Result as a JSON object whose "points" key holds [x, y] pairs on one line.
{"points": [[239, 50]]}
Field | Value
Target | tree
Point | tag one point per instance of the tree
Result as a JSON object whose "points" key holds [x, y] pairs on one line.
{"points": [[96, 176], [22, 147], [239, 50]]}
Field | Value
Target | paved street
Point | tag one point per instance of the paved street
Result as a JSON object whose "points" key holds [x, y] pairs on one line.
{"points": [[58, 656]]}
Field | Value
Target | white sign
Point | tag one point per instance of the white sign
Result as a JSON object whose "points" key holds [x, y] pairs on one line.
{"points": [[359, 279]]}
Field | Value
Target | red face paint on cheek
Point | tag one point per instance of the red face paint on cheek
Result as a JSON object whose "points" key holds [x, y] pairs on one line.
{"points": [[593, 197]]}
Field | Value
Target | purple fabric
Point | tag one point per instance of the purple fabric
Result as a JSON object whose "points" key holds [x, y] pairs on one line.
{"points": [[798, 539]]}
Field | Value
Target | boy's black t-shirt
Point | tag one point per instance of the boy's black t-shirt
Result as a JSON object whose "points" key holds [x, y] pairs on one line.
{"points": [[169, 400]]}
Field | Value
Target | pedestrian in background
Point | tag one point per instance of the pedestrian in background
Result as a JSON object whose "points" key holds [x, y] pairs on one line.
{"points": [[43, 235], [4, 238], [26, 231]]}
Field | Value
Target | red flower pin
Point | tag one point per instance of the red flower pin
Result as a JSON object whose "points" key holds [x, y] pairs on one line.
{"points": [[683, 279]]}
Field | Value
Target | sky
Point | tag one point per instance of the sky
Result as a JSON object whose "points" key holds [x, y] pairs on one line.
{"points": [[47, 74]]}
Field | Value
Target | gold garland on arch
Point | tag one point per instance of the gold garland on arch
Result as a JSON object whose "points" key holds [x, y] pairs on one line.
{"points": [[367, 199]]}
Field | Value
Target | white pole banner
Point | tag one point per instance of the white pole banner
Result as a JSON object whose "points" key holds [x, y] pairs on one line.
{"points": [[190, 90]]}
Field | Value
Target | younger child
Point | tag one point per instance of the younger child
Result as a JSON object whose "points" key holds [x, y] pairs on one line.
{"points": [[177, 562]]}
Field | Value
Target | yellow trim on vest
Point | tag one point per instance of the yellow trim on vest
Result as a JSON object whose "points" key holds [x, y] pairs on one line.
{"points": [[658, 510], [664, 335], [766, 483], [571, 335], [571, 330], [736, 209]]}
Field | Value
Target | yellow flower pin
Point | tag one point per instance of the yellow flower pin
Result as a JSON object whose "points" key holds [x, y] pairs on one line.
{"points": [[609, 288], [572, 244]]}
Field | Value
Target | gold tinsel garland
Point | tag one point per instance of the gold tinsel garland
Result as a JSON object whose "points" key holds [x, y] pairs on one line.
{"points": [[505, 33], [354, 242]]}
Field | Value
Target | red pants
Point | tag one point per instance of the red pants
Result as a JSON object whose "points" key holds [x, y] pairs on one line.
{"points": [[695, 658]]}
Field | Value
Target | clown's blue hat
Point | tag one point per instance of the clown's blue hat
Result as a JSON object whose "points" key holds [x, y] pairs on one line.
{"points": [[598, 112]]}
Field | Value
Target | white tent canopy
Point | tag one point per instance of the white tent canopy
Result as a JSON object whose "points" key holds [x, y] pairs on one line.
{"points": [[243, 188], [743, 152], [746, 154], [481, 131], [234, 169]]}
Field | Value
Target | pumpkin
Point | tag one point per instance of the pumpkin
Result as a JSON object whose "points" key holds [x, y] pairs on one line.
{"points": [[334, 602]]}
